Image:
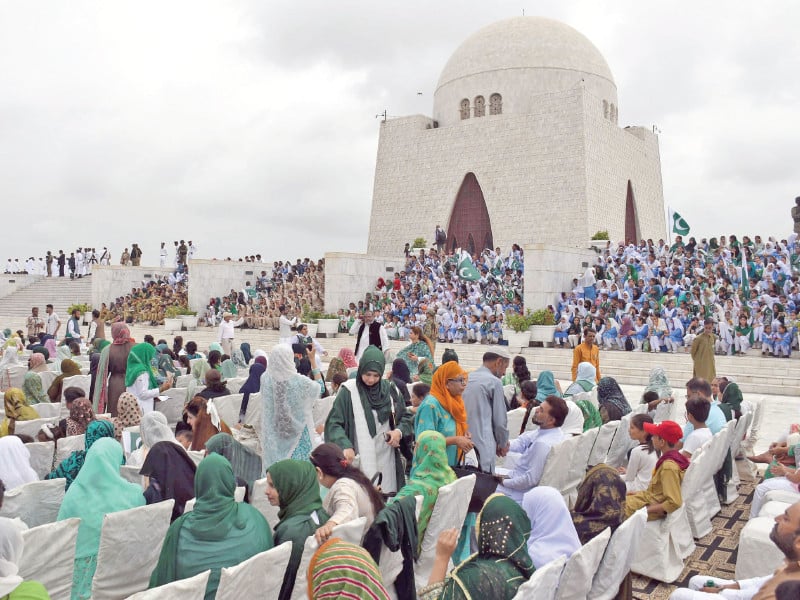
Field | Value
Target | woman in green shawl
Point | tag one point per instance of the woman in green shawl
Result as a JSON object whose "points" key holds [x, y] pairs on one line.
{"points": [[140, 379], [198, 380], [420, 347], [429, 472], [425, 371], [501, 565], [219, 532], [97, 490], [32, 384], [374, 426], [732, 399], [292, 485], [546, 386], [228, 368], [72, 465], [585, 382]]}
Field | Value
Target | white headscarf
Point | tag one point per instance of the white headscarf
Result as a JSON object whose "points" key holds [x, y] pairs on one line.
{"points": [[11, 544], [573, 424], [552, 531], [15, 463], [586, 372], [154, 428]]}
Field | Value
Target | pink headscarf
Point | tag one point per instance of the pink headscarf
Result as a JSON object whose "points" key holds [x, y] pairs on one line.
{"points": [[37, 360], [348, 358], [50, 344], [120, 333]]}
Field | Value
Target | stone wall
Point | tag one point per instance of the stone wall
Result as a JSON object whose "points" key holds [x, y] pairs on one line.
{"points": [[112, 281], [349, 276], [211, 278], [11, 283], [550, 269]]}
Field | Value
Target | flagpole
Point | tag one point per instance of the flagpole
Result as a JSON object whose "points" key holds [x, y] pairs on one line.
{"points": [[669, 227]]}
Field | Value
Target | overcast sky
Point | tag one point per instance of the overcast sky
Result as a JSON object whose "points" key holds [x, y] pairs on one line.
{"points": [[250, 126]]}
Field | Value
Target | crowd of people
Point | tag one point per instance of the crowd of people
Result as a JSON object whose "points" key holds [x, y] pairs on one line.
{"points": [[411, 431], [150, 302]]}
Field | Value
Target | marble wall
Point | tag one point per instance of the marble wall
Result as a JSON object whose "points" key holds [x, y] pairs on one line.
{"points": [[112, 281], [349, 276], [11, 283], [209, 278], [550, 269]]}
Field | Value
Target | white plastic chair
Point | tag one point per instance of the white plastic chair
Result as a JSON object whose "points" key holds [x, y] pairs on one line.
{"points": [[515, 418], [255, 577], [576, 580], [663, 547], [234, 384], [191, 588], [617, 558], [543, 584], [173, 406], [617, 455], [79, 381], [694, 479], [123, 565], [238, 495], [556, 467], [228, 407], [131, 474], [68, 445], [449, 512], [758, 556], [259, 501], [182, 381], [13, 377], [48, 556], [35, 503], [31, 427], [42, 454], [48, 410], [578, 464], [351, 531], [603, 443], [47, 378]]}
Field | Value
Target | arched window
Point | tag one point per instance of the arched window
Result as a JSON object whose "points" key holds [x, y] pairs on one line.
{"points": [[465, 109], [480, 106], [605, 108], [470, 244], [495, 104]]}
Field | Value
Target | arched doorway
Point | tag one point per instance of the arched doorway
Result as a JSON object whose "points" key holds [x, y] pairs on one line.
{"points": [[631, 218], [470, 217]]}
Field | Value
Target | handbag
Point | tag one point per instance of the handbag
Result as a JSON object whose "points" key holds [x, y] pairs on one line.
{"points": [[485, 483]]}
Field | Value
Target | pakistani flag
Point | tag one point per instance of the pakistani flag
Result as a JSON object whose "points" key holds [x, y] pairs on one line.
{"points": [[679, 224], [466, 270]]}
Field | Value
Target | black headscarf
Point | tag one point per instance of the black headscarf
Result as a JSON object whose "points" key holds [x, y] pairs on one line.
{"points": [[171, 474]]}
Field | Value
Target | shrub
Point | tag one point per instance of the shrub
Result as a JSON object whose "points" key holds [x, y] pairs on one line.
{"points": [[541, 317], [600, 235], [419, 242]]}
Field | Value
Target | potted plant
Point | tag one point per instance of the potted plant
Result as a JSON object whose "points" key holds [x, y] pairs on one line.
{"points": [[188, 318], [419, 244], [172, 319], [86, 312], [599, 240], [310, 317], [327, 325], [516, 331], [542, 325]]}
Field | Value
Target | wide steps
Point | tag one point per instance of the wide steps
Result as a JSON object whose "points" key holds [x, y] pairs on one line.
{"points": [[61, 292]]}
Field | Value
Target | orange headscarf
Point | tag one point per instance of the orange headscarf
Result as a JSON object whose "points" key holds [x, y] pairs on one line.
{"points": [[452, 404]]}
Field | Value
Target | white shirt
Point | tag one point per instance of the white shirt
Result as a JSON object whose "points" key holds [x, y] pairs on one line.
{"points": [[694, 440], [51, 323], [226, 329], [285, 326], [362, 346], [640, 469], [144, 395]]}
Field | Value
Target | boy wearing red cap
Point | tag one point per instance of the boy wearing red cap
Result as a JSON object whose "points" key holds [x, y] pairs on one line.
{"points": [[663, 495]]}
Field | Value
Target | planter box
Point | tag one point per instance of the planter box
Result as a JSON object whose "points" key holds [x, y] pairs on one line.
{"points": [[542, 334], [327, 327], [189, 322], [312, 329], [516, 340], [172, 325]]}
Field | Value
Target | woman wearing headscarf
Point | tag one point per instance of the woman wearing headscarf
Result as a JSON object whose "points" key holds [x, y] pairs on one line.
{"points": [[228, 369], [72, 465], [216, 387], [32, 384], [342, 570], [429, 472], [252, 385], [170, 474], [246, 463], [12, 587], [585, 380], [15, 463], [420, 347], [501, 565], [292, 486], [369, 417], [205, 421], [97, 490], [552, 532], [546, 386], [613, 405], [732, 399], [443, 410], [16, 410], [111, 369], [165, 362], [69, 368], [140, 380], [348, 358], [600, 502], [425, 371], [401, 377], [219, 532], [661, 408], [80, 415], [198, 380], [129, 414], [50, 345], [152, 429], [287, 421], [335, 366]]}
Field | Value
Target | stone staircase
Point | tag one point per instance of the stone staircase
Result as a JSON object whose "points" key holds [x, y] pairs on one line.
{"points": [[61, 292]]}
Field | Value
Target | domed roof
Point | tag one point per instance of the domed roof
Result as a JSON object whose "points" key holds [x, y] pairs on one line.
{"points": [[525, 43]]}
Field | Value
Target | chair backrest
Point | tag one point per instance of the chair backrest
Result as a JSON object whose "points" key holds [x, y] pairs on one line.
{"points": [[622, 442], [173, 406], [255, 577], [48, 410], [47, 378], [617, 559], [13, 376], [543, 584], [742, 425], [36, 503], [576, 580], [31, 427], [191, 588], [131, 474], [182, 381], [515, 418], [238, 495], [603, 443], [196, 455], [48, 556], [68, 445], [42, 454], [321, 408], [581, 457], [259, 501], [228, 407], [235, 383], [123, 567], [79, 381], [557, 465]]}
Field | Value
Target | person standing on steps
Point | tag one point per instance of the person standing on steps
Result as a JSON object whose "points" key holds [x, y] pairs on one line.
{"points": [[62, 261], [703, 353]]}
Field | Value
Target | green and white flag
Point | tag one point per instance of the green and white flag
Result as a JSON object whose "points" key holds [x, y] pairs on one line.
{"points": [[679, 224], [466, 270]]}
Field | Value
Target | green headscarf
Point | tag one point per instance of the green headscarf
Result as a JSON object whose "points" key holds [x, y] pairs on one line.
{"points": [[297, 485], [215, 346], [733, 396], [546, 386], [72, 465], [502, 563], [379, 395], [229, 369], [429, 472], [591, 416], [32, 386], [100, 344], [139, 361]]}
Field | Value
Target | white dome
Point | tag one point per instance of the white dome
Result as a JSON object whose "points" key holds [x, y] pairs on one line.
{"points": [[519, 58]]}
